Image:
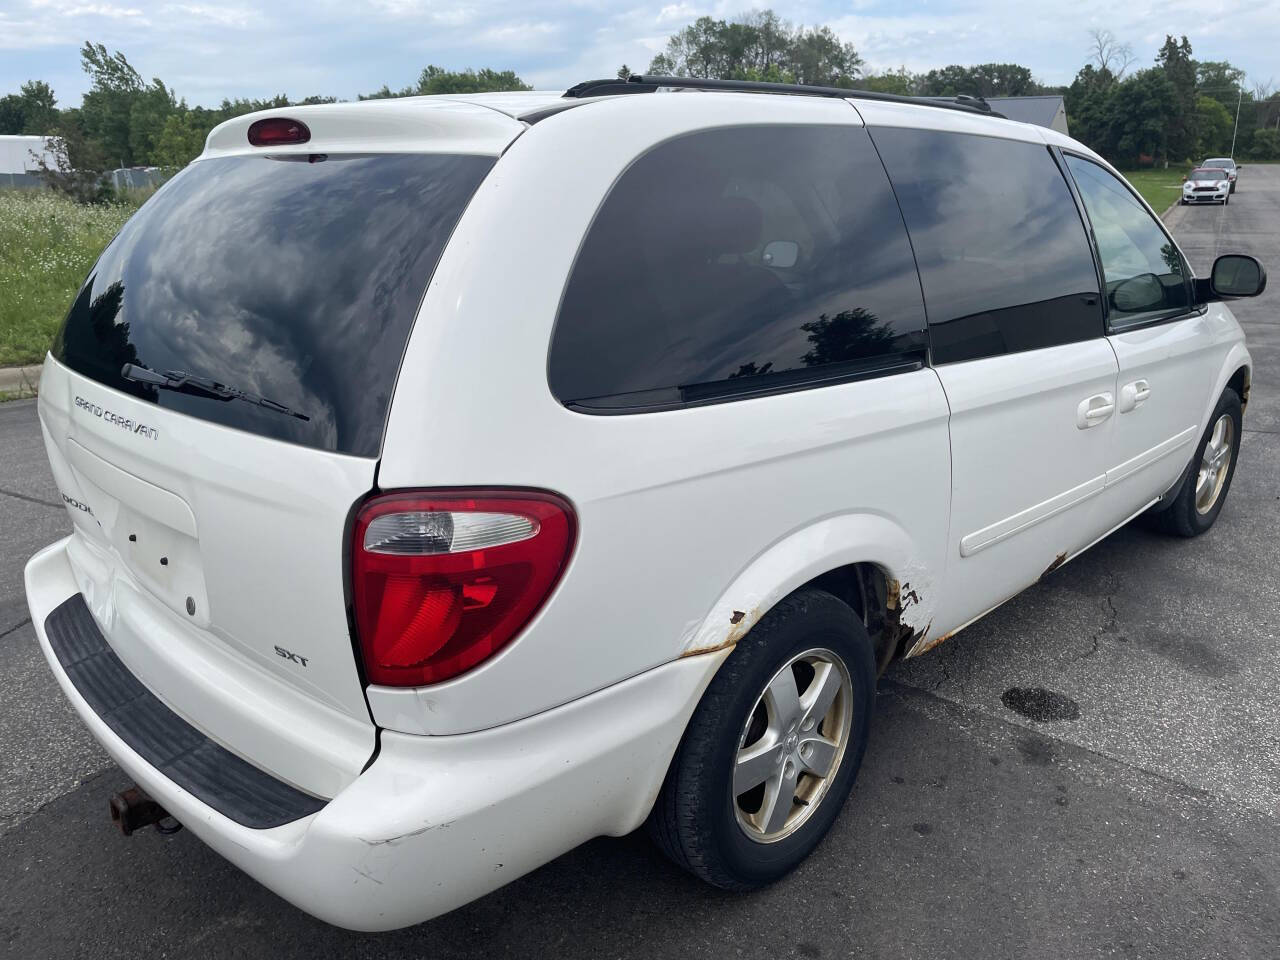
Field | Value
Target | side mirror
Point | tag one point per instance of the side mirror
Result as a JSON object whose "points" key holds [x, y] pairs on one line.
{"points": [[1236, 275], [781, 254], [1184, 178]]}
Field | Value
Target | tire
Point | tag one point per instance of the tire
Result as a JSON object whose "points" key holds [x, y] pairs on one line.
{"points": [[1183, 201], [1227, 198], [1187, 514], [700, 820]]}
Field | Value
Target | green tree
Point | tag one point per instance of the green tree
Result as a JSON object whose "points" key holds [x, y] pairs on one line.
{"points": [[1266, 144], [1181, 134], [182, 138], [759, 46], [437, 80], [1086, 103], [39, 107], [13, 117], [983, 80], [151, 108], [1214, 124], [32, 110], [1138, 111], [107, 108], [1221, 81], [901, 82], [821, 58]]}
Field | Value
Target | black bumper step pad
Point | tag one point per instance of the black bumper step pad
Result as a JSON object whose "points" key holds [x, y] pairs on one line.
{"points": [[236, 789]]}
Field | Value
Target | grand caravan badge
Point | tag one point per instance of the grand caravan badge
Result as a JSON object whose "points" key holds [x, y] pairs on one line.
{"points": [[124, 423]]}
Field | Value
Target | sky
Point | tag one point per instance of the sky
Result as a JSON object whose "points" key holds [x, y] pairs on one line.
{"points": [[206, 50]]}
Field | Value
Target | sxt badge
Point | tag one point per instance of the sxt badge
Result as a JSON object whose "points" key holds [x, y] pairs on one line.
{"points": [[289, 655]]}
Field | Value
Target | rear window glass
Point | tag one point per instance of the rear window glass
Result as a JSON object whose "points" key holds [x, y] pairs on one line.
{"points": [[734, 261], [293, 279], [1004, 257]]}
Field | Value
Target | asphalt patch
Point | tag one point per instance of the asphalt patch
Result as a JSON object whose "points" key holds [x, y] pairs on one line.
{"points": [[1040, 705]]}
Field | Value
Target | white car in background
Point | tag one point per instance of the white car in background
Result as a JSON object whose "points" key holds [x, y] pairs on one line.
{"points": [[1227, 164], [1206, 185], [457, 479]]}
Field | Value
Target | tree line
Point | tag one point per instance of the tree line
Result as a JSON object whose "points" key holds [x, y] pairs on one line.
{"points": [[1178, 109], [125, 121]]}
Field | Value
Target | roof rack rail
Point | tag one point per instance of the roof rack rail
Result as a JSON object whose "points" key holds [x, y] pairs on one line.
{"points": [[637, 83]]}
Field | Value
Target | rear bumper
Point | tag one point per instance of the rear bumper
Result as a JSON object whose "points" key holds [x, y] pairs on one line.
{"points": [[434, 822]]}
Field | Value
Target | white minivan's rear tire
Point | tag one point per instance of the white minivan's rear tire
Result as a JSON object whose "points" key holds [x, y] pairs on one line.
{"points": [[773, 748]]}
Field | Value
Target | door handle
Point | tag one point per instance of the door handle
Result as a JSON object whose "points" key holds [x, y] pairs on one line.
{"points": [[1133, 394], [1094, 410]]}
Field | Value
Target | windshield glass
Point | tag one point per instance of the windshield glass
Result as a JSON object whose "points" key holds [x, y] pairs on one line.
{"points": [[1208, 173], [295, 279]]}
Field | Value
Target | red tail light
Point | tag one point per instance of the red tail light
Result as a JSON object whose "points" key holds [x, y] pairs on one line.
{"points": [[443, 580], [277, 131]]}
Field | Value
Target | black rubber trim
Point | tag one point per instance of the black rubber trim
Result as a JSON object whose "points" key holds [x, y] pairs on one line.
{"points": [[637, 83], [216, 776], [747, 388]]}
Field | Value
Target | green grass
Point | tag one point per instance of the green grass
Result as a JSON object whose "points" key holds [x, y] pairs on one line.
{"points": [[47, 245], [1158, 187]]}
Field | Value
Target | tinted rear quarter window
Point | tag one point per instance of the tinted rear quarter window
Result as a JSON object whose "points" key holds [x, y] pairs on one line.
{"points": [[1004, 257], [736, 260], [296, 279]]}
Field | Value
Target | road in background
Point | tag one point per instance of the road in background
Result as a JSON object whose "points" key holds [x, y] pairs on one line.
{"points": [[1147, 827]]}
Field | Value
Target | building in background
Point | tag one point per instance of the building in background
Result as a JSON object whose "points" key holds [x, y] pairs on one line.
{"points": [[1047, 111], [18, 164]]}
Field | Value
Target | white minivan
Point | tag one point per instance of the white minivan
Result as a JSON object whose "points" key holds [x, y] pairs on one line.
{"points": [[456, 479]]}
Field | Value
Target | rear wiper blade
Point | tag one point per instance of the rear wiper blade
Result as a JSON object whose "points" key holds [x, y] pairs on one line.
{"points": [[182, 382]]}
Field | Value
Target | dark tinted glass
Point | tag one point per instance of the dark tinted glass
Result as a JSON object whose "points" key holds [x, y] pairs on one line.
{"points": [[735, 260], [1143, 269], [1004, 257], [294, 280]]}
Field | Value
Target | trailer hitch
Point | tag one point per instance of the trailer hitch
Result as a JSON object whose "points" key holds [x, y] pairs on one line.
{"points": [[132, 810]]}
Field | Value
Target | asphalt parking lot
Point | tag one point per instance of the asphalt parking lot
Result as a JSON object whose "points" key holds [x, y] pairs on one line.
{"points": [[1149, 826]]}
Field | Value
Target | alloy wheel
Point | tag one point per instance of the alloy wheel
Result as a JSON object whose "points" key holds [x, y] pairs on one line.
{"points": [[792, 745], [1215, 463]]}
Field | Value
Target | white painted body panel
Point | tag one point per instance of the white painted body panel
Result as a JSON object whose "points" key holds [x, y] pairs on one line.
{"points": [[253, 529], [435, 822], [1023, 472], [961, 483], [1157, 436], [717, 486], [408, 125]]}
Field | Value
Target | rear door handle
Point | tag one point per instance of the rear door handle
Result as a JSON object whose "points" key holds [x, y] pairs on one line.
{"points": [[1094, 410], [1133, 394]]}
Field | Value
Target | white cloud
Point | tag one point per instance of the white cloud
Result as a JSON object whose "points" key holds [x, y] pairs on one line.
{"points": [[221, 15], [207, 49], [676, 13]]}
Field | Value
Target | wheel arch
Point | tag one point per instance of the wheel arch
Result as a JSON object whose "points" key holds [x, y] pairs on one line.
{"points": [[866, 560], [1240, 382]]}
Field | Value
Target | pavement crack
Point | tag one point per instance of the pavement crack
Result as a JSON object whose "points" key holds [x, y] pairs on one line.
{"points": [[1095, 641], [30, 499], [11, 821], [21, 623], [1174, 784]]}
